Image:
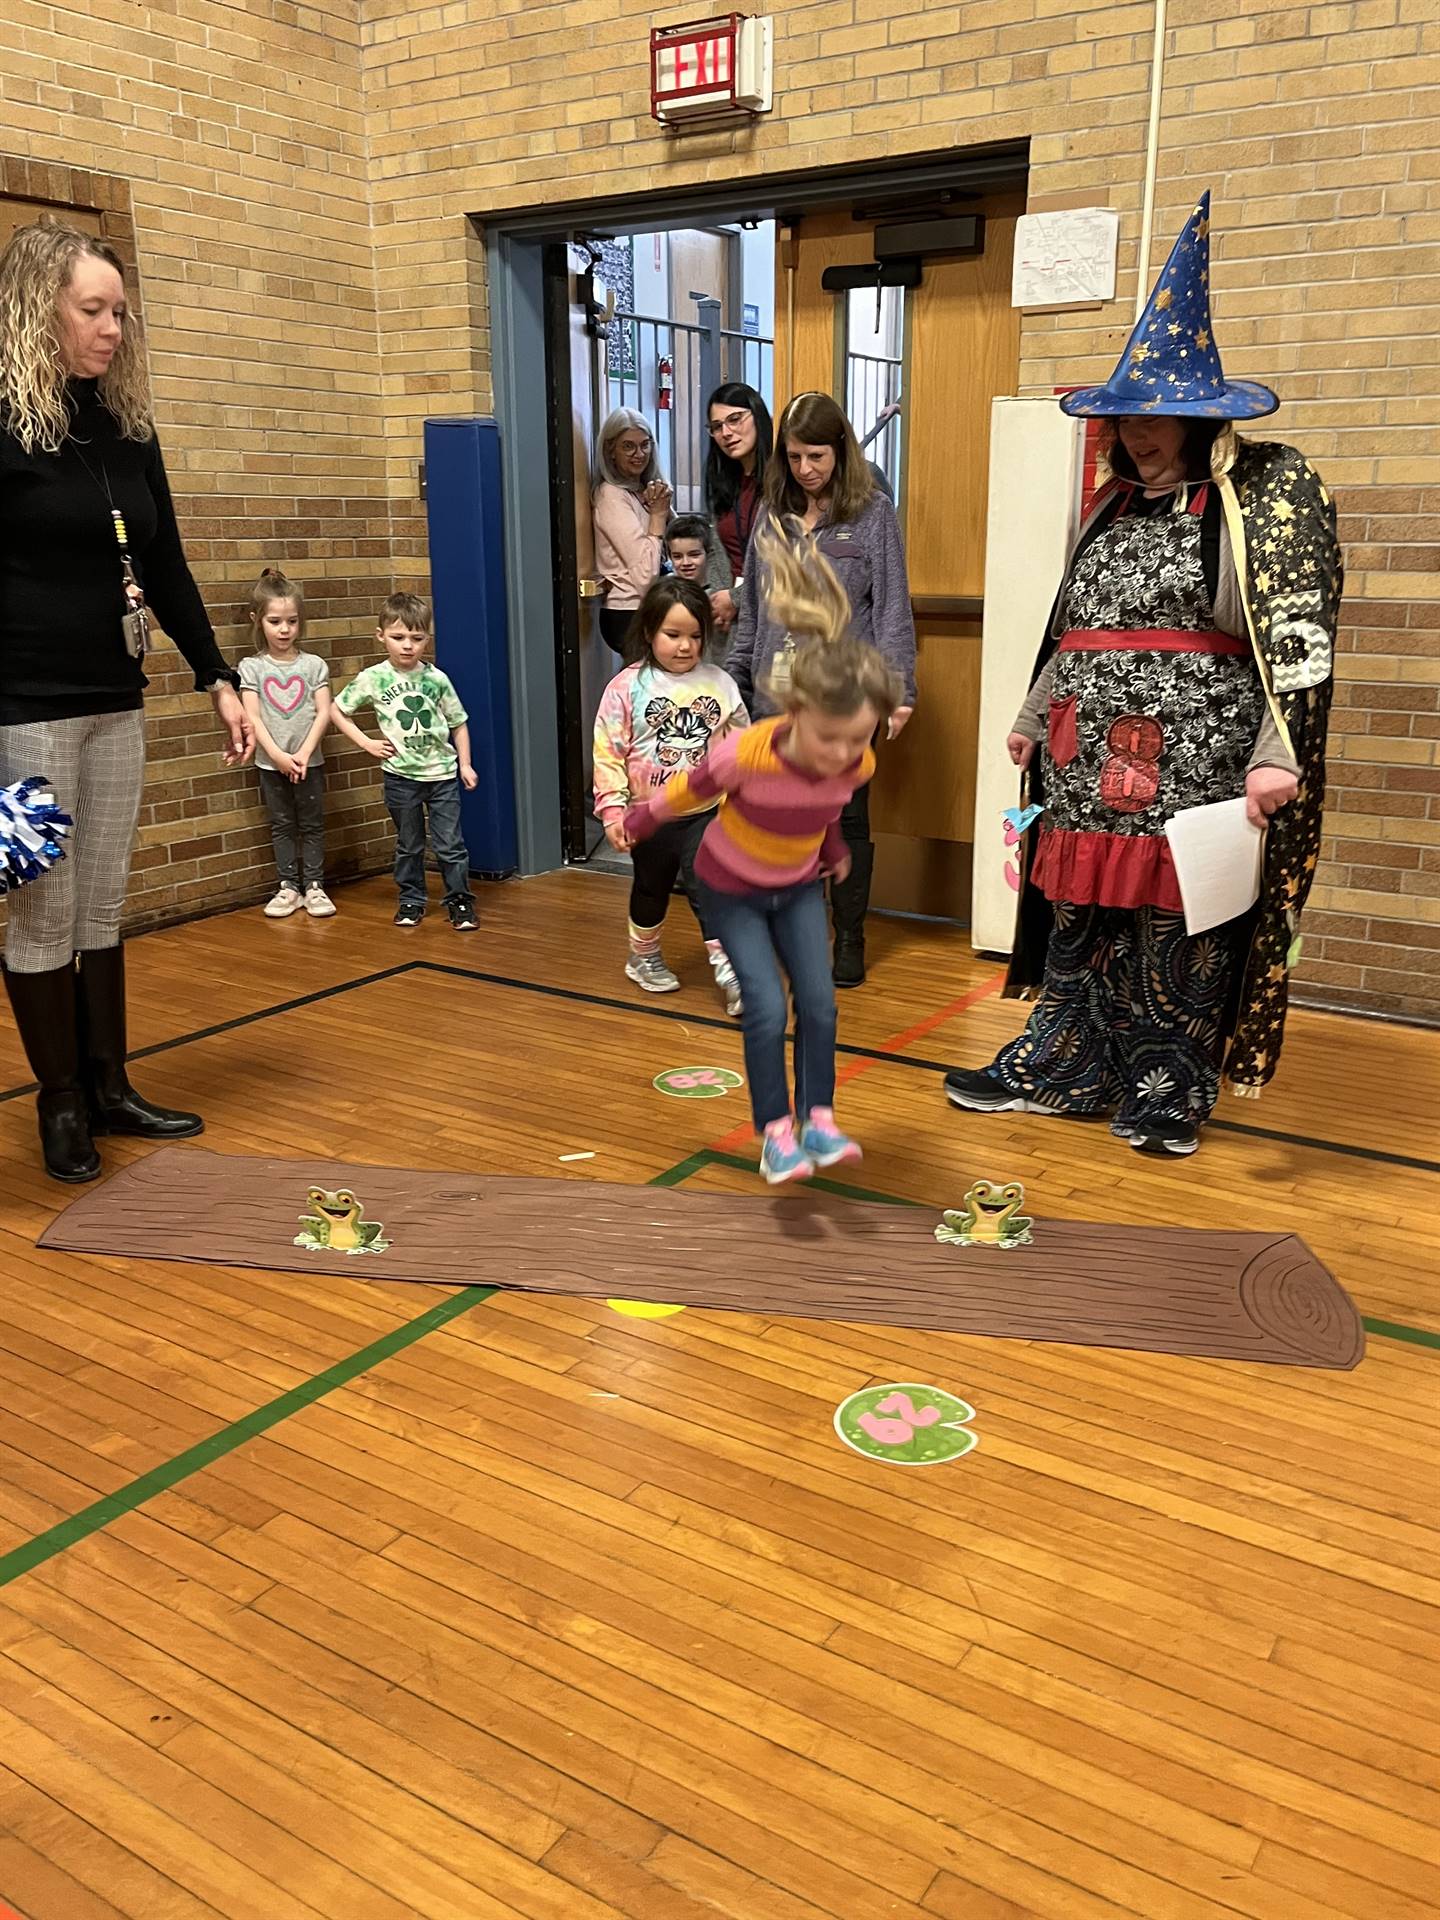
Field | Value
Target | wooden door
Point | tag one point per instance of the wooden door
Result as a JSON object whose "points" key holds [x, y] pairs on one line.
{"points": [[15, 212], [962, 349]]}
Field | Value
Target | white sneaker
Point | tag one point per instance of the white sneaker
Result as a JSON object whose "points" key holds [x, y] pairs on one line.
{"points": [[318, 903], [727, 983], [648, 970], [283, 902]]}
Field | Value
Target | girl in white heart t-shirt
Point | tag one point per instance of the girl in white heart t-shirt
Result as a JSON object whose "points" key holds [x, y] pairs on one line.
{"points": [[287, 695]]}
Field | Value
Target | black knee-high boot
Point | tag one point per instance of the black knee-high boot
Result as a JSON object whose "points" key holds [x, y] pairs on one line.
{"points": [[849, 901], [115, 1107], [44, 1007]]}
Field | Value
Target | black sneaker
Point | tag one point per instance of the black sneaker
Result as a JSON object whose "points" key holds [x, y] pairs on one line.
{"points": [[462, 915], [1164, 1136], [408, 916], [977, 1089]]}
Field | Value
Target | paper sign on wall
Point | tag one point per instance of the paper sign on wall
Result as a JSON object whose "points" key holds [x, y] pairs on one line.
{"points": [[1065, 259]]}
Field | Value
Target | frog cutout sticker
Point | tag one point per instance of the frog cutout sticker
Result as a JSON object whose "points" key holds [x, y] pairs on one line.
{"points": [[697, 1083], [337, 1224], [907, 1424], [989, 1217]]}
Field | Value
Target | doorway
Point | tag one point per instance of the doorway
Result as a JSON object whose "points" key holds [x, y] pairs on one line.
{"points": [[917, 369], [652, 322]]}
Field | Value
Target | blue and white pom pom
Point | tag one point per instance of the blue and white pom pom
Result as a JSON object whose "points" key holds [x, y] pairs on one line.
{"points": [[32, 832]]}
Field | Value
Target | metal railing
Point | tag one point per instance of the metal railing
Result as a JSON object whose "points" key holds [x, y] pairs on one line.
{"points": [[873, 386], [701, 353]]}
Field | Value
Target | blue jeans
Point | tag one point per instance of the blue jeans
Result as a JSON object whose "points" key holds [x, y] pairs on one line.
{"points": [[761, 932], [408, 802]]}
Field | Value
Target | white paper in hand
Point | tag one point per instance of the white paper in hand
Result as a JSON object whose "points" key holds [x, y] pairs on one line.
{"points": [[1217, 862]]}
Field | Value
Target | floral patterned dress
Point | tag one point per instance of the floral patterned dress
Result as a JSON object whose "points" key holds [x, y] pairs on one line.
{"points": [[1152, 710]]}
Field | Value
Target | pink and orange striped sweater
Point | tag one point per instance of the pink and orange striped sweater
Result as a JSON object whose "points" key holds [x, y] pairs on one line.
{"points": [[777, 825]]}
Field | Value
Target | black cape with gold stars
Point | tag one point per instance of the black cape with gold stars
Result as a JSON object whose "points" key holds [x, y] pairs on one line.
{"points": [[1281, 522]]}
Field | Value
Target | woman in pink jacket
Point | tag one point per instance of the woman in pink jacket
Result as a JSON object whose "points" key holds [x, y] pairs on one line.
{"points": [[631, 510]]}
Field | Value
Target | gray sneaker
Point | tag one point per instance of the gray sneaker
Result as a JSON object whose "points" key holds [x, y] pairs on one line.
{"points": [[648, 970]]}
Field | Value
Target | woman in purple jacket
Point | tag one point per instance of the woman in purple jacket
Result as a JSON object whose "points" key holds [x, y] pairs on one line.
{"points": [[818, 481]]}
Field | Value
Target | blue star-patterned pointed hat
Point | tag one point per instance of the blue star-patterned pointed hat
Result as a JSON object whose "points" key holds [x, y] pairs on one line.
{"points": [[1170, 363]]}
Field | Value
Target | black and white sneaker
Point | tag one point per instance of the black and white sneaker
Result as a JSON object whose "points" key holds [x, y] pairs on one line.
{"points": [[408, 916], [462, 915], [977, 1089], [1164, 1136]]}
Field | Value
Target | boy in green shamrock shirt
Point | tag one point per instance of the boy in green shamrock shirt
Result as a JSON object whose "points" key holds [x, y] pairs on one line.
{"points": [[426, 751]]}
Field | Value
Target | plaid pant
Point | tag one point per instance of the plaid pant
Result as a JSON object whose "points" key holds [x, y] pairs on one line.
{"points": [[96, 766]]}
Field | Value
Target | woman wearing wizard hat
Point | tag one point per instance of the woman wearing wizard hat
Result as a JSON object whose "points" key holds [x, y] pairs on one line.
{"points": [[1187, 660]]}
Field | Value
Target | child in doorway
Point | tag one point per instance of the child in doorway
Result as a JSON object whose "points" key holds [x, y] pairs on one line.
{"points": [[656, 719], [765, 854], [286, 693], [693, 549], [426, 751]]}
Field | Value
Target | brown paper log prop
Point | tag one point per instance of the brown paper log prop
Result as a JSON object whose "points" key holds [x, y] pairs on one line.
{"points": [[1218, 1294]]}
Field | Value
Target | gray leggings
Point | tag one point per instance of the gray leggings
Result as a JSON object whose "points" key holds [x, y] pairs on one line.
{"points": [[96, 765]]}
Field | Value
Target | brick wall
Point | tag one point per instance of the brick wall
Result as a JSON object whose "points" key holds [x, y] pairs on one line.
{"points": [[254, 139], [1315, 126], [225, 147]]}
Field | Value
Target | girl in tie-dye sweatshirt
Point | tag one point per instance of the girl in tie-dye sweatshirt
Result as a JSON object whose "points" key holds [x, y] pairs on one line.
{"points": [[656, 720]]}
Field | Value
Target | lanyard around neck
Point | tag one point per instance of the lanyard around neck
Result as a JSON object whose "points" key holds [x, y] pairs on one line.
{"points": [[117, 519]]}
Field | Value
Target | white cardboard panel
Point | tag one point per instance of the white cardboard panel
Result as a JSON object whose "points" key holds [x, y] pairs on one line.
{"points": [[1036, 467]]}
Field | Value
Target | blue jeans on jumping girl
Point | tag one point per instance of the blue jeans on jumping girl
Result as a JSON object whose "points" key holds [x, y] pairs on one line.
{"points": [[763, 933]]}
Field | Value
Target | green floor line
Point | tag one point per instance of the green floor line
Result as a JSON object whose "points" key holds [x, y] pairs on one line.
{"points": [[1383, 1329], [69, 1533], [1395, 1330], [693, 1163]]}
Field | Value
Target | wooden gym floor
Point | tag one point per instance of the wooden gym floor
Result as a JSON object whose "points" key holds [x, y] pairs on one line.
{"points": [[379, 1602]]}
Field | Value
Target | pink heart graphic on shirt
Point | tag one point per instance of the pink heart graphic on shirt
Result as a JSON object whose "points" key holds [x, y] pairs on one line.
{"points": [[284, 694]]}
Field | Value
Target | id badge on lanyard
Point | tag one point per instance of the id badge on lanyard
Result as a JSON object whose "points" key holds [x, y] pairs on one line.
{"points": [[782, 668], [135, 625]]}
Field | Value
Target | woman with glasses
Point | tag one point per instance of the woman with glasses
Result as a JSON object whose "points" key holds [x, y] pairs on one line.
{"points": [[631, 507], [818, 482], [741, 437]]}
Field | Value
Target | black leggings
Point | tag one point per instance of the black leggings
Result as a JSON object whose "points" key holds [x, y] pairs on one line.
{"points": [[668, 853], [615, 623]]}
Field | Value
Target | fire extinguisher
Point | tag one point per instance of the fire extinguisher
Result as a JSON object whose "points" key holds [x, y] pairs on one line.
{"points": [[665, 377]]}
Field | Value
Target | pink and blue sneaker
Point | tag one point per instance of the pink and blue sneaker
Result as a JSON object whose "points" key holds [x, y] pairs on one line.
{"points": [[822, 1142], [781, 1157]]}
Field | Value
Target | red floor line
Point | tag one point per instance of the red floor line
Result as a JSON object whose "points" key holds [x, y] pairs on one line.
{"points": [[743, 1134], [933, 1020]]}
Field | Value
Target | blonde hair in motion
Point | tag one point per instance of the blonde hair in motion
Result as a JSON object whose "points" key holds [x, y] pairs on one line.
{"points": [[830, 672], [35, 268]]}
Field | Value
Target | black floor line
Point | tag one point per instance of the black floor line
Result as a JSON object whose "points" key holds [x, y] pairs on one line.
{"points": [[679, 1016]]}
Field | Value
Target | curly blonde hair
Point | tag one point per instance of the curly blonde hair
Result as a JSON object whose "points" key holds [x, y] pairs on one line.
{"points": [[35, 268], [830, 672]]}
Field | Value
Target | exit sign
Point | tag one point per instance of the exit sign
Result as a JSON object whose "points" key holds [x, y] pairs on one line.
{"points": [[709, 70]]}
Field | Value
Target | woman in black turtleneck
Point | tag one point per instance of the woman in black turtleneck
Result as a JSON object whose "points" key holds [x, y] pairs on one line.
{"points": [[87, 536]]}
